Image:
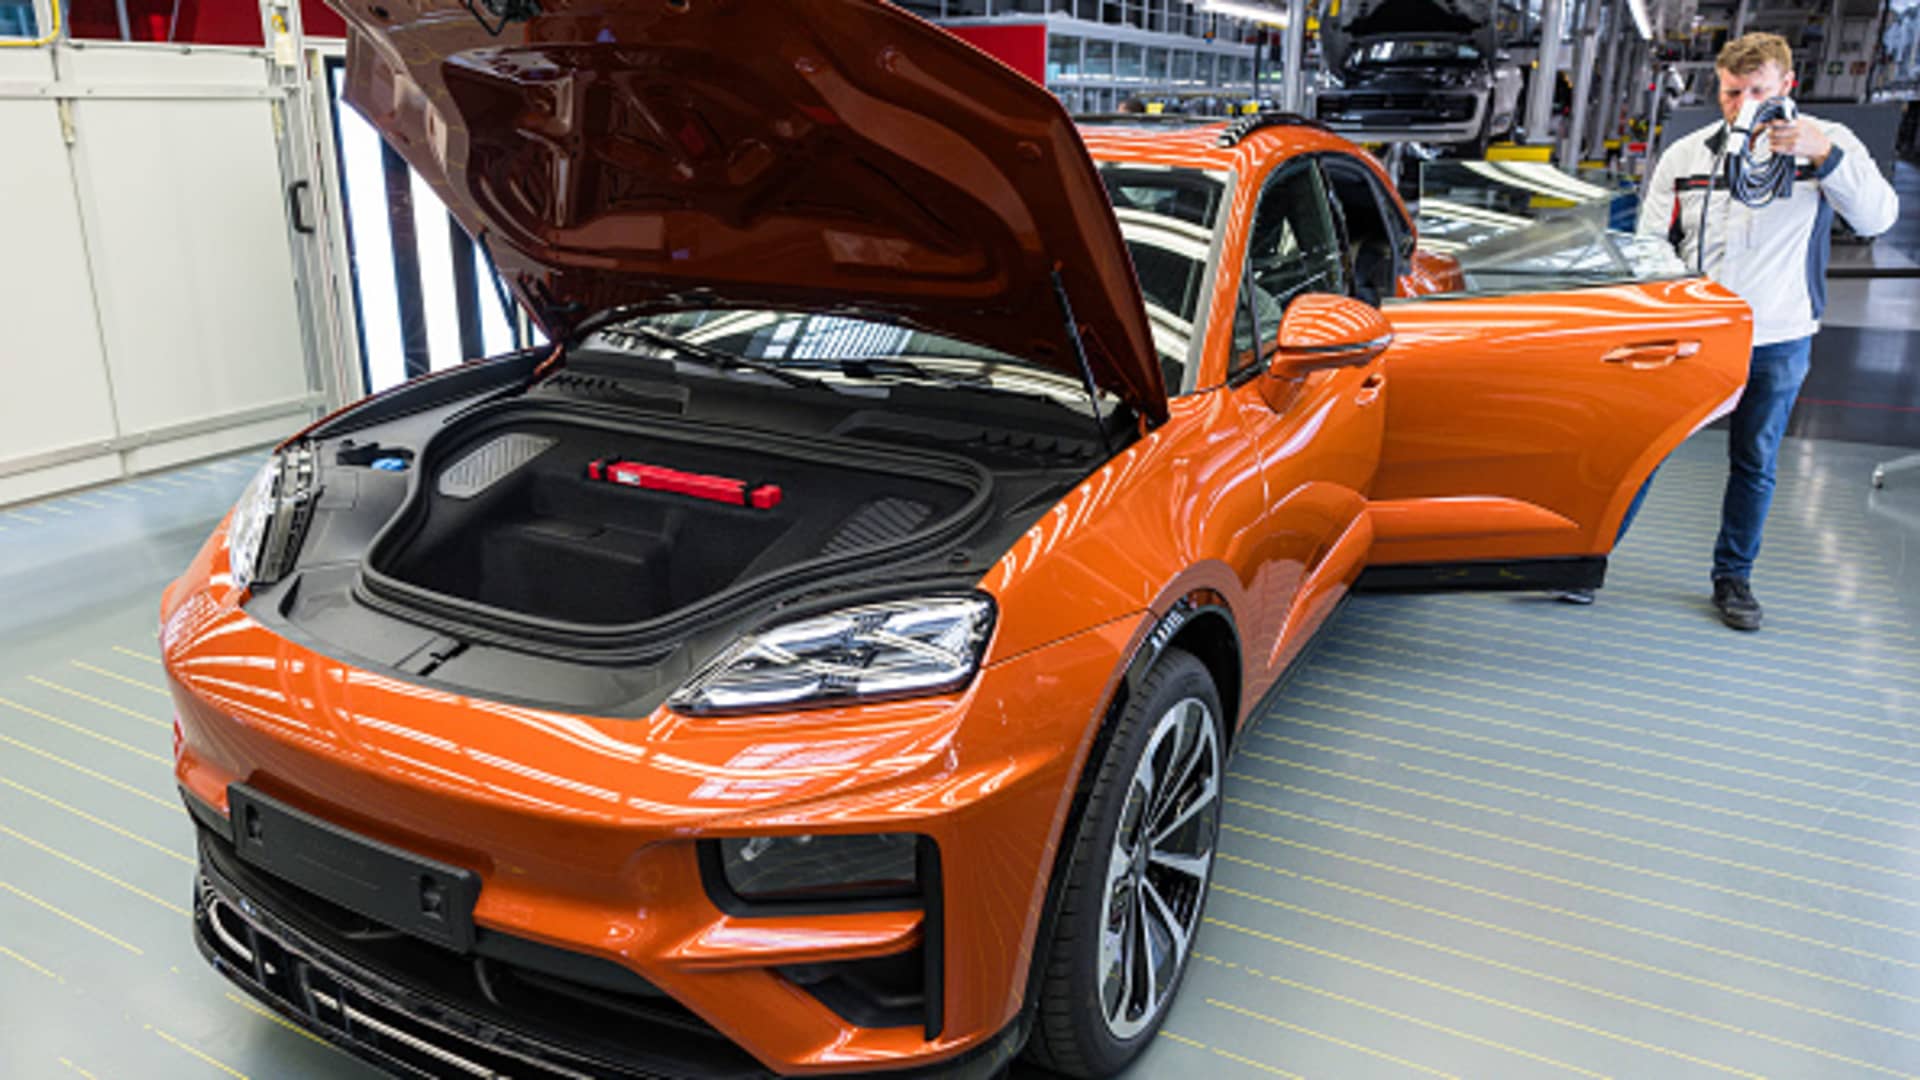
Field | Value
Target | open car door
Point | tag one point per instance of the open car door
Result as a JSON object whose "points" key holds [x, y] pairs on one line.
{"points": [[1519, 427]]}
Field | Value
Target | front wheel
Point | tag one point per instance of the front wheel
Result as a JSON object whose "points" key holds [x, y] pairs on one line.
{"points": [[1137, 880]]}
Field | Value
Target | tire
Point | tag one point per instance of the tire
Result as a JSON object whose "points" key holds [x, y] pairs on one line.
{"points": [[1097, 1010]]}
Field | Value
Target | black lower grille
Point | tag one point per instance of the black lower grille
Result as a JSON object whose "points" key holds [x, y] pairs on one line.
{"points": [[422, 1010], [1398, 107]]}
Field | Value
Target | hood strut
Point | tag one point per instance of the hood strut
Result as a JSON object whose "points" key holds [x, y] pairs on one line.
{"points": [[1080, 355]]}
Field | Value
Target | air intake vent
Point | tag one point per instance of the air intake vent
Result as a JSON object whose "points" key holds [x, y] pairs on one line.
{"points": [[488, 465], [876, 523]]}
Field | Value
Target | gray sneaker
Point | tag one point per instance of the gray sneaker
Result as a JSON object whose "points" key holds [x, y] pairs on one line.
{"points": [[1735, 601], [1581, 596]]}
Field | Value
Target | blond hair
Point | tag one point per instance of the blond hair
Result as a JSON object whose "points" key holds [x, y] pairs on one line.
{"points": [[1748, 53]]}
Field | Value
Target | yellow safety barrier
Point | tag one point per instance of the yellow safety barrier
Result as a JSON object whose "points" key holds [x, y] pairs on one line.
{"points": [[45, 39], [1507, 151]]}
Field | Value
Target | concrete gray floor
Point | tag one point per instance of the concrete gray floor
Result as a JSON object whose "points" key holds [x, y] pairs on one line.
{"points": [[1478, 836]]}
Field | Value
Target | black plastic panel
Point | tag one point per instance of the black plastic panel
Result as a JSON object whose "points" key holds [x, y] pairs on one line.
{"points": [[429, 899]]}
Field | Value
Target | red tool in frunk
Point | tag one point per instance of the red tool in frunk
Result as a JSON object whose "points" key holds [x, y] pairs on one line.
{"points": [[720, 489]]}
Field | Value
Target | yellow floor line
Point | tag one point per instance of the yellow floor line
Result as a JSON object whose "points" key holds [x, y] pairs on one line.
{"points": [[1571, 984], [1664, 823], [102, 822], [52, 509], [1271, 1070], [83, 1073], [256, 1007], [80, 729], [1403, 661], [1540, 671], [81, 923], [1566, 946], [151, 688], [84, 771], [1533, 646], [1582, 886], [1324, 1037], [1815, 608], [17, 515], [112, 494], [1470, 995], [1879, 775], [1665, 646], [1601, 763], [94, 870], [1568, 913], [29, 964], [145, 718], [136, 654], [201, 1054], [1323, 749], [1611, 864], [1404, 1018], [1551, 823], [1599, 785]]}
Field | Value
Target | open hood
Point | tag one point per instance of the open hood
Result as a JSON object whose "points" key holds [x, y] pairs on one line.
{"points": [[1361, 21], [825, 155]]}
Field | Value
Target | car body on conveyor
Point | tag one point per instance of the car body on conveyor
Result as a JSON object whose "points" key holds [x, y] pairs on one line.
{"points": [[823, 658], [1422, 71]]}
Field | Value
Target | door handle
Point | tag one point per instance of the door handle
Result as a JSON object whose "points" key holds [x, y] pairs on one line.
{"points": [[1647, 355], [1370, 389], [296, 207]]}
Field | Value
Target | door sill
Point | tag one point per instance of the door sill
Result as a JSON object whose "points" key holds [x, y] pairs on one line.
{"points": [[1513, 575]]}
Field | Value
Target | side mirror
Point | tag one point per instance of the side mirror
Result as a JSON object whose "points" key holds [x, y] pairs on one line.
{"points": [[1321, 330]]}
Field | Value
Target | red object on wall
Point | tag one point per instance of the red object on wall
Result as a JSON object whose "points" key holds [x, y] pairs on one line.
{"points": [[319, 20], [1022, 47], [198, 22]]}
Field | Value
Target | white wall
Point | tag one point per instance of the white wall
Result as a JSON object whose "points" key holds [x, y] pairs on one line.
{"points": [[148, 307]]}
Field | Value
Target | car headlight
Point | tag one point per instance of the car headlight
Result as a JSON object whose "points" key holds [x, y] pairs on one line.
{"points": [[894, 649], [268, 521]]}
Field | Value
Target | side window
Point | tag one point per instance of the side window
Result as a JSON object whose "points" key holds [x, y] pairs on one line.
{"points": [[1374, 235], [1292, 249]]}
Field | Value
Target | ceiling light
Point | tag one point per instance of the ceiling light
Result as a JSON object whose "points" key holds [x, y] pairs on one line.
{"points": [[1255, 12]]}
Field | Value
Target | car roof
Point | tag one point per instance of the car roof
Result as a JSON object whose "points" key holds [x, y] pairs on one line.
{"points": [[1196, 142]]}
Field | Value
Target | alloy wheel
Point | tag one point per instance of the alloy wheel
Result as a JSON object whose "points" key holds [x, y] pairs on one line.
{"points": [[1157, 871]]}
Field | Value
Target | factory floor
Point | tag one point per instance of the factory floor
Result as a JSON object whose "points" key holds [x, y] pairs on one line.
{"points": [[1477, 836]]}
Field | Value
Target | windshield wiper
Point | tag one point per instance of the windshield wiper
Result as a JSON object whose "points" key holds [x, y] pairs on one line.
{"points": [[884, 368], [718, 358]]}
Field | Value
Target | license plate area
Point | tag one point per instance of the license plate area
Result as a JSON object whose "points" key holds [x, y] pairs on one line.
{"points": [[424, 897]]}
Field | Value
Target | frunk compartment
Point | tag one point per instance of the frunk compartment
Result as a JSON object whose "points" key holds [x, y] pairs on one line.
{"points": [[508, 515]]}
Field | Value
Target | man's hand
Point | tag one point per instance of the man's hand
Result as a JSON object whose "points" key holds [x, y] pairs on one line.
{"points": [[1800, 138]]}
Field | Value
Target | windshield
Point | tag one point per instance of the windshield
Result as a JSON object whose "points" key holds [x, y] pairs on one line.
{"points": [[1406, 50], [1168, 217]]}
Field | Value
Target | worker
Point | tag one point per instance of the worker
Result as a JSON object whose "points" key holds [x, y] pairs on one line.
{"points": [[1774, 255]]}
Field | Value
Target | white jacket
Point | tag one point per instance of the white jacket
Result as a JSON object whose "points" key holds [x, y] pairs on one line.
{"points": [[1774, 257]]}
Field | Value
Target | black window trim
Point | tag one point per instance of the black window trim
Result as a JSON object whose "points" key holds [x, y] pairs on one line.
{"points": [[1389, 208]]}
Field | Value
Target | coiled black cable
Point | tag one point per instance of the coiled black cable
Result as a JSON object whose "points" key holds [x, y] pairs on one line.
{"points": [[1749, 178], [1753, 181]]}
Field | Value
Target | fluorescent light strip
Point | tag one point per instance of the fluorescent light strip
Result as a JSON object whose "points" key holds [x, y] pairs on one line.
{"points": [[440, 304], [1251, 12], [367, 223]]}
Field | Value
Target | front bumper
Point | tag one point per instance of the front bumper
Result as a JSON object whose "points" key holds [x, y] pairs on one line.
{"points": [[508, 1008], [1385, 117], [585, 832]]}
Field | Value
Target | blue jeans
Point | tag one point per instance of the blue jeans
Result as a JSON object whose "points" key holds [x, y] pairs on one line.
{"points": [[1774, 376], [1753, 449]]}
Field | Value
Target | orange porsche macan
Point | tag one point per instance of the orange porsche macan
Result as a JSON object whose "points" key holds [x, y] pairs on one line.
{"points": [[823, 658]]}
